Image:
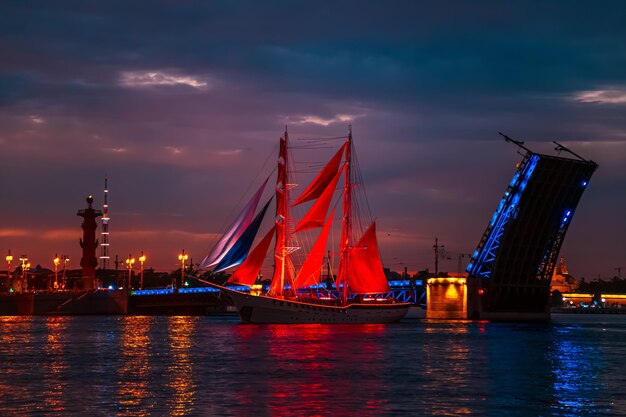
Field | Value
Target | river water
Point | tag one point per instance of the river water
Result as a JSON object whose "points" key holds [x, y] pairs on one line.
{"points": [[131, 366]]}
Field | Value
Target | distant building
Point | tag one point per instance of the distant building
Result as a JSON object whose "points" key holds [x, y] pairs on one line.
{"points": [[561, 279]]}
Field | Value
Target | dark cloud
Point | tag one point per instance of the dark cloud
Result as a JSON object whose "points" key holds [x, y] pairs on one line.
{"points": [[180, 104]]}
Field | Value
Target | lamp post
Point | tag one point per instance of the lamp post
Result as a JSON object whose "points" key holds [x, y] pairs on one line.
{"points": [[130, 261], [9, 258], [182, 258], [23, 259], [56, 261], [142, 259], [65, 260], [26, 280]]}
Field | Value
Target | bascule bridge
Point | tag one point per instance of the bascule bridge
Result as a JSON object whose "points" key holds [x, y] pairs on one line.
{"points": [[511, 269]]}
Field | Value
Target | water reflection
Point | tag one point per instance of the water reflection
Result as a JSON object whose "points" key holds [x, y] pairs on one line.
{"points": [[577, 366], [250, 367], [16, 339], [133, 396], [180, 372], [448, 370], [55, 365], [214, 366], [314, 368]]}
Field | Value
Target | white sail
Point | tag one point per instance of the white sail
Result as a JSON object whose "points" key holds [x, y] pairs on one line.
{"points": [[234, 232]]}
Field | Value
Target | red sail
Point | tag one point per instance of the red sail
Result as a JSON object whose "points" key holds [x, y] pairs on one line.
{"points": [[320, 183], [310, 271], [317, 213], [365, 270], [249, 270]]}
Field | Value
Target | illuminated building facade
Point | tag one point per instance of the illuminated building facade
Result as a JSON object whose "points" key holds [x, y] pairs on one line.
{"points": [[562, 281]]}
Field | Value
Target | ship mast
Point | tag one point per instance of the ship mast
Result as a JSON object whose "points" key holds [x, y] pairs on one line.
{"points": [[346, 220], [282, 208]]}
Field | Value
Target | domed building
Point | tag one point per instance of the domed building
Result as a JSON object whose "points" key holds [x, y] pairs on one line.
{"points": [[561, 279]]}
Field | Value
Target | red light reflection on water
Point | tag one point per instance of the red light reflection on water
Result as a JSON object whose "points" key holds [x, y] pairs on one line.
{"points": [[312, 366]]}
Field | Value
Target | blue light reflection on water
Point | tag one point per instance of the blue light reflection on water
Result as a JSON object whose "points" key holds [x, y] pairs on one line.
{"points": [[216, 366]]}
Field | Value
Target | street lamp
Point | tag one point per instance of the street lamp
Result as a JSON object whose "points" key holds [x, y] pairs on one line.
{"points": [[56, 261], [9, 258], [65, 260], [26, 280], [142, 259], [24, 258], [130, 261], [182, 258]]}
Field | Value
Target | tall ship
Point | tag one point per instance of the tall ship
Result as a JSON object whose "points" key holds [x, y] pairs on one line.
{"points": [[345, 242]]}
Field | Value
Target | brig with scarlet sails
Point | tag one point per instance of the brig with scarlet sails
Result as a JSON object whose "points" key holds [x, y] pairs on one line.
{"points": [[359, 292]]}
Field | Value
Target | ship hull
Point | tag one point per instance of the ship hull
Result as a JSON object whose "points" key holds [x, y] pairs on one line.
{"points": [[262, 309]]}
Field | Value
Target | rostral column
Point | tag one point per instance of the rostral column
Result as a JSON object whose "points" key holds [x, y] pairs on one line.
{"points": [[89, 243]]}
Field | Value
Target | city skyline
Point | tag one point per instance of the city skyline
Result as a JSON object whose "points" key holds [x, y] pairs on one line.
{"points": [[179, 105]]}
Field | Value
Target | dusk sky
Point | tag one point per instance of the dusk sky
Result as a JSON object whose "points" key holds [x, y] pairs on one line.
{"points": [[180, 104]]}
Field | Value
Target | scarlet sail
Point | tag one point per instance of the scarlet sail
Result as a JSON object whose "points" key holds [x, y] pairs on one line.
{"points": [[364, 269], [293, 298], [310, 271], [317, 213], [321, 181]]}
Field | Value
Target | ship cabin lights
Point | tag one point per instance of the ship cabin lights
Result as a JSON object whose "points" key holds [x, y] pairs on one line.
{"points": [[379, 299], [256, 289]]}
